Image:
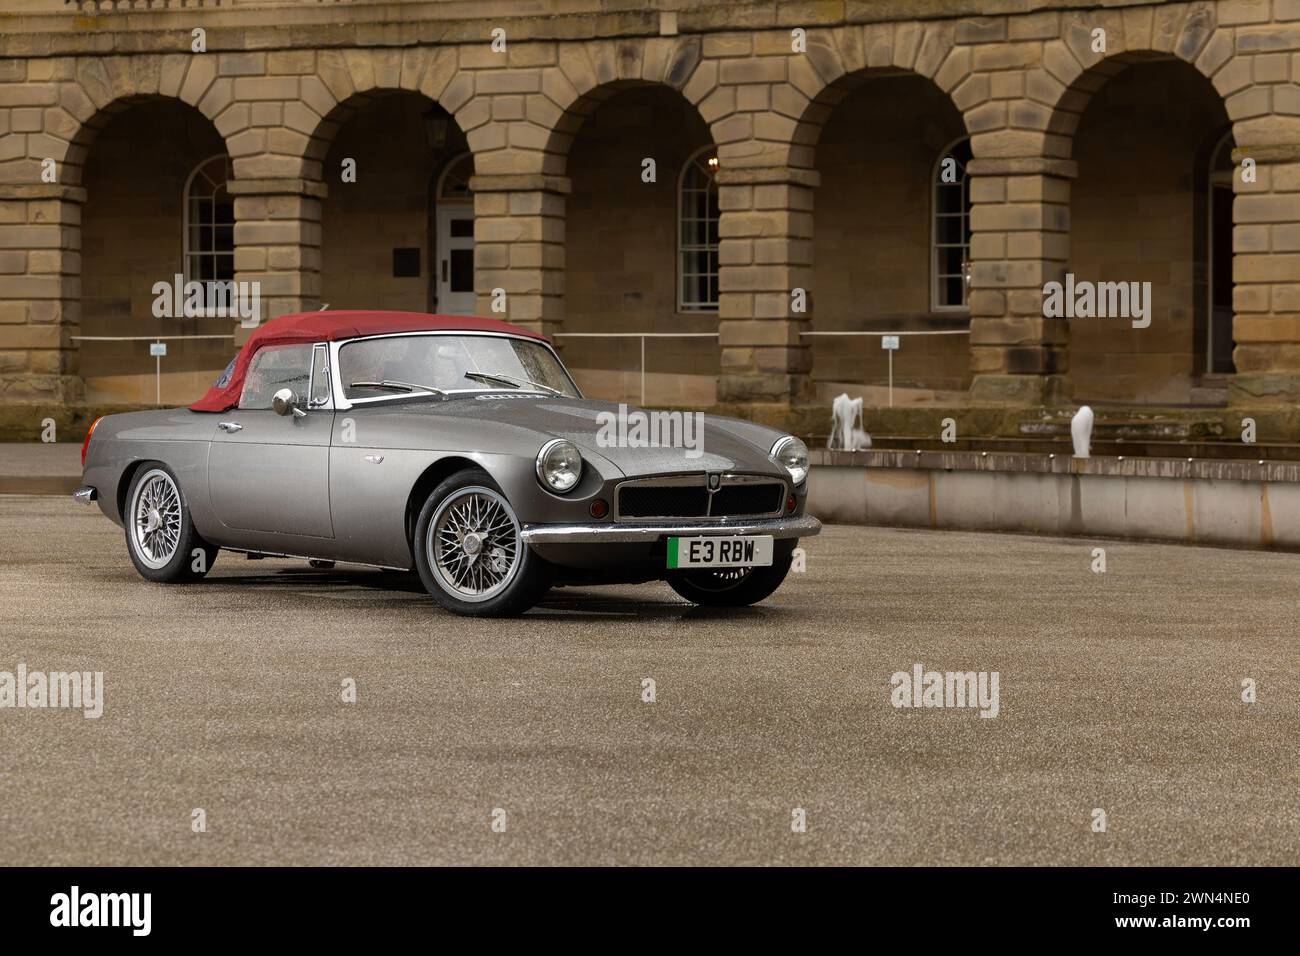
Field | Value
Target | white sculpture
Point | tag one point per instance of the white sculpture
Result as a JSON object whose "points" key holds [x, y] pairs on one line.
{"points": [[1081, 431], [847, 432]]}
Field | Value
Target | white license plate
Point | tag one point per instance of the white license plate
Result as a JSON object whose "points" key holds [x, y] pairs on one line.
{"points": [[752, 551]]}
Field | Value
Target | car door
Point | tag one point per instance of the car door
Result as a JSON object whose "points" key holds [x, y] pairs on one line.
{"points": [[268, 472]]}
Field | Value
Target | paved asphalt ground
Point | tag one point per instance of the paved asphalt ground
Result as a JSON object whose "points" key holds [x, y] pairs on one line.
{"points": [[1118, 691]]}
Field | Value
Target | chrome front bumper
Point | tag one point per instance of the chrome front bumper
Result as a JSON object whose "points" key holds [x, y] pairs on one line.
{"points": [[86, 495], [804, 526]]}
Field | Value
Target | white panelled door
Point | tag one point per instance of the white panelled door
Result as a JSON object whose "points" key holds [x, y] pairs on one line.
{"points": [[455, 263]]}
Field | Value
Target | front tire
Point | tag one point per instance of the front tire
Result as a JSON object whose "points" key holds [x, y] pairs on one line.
{"points": [[160, 535], [469, 551], [738, 587]]}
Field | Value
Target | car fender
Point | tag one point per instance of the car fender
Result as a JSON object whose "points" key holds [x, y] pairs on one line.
{"points": [[178, 438], [370, 489]]}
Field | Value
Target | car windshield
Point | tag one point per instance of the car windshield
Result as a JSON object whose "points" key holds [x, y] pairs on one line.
{"points": [[391, 365]]}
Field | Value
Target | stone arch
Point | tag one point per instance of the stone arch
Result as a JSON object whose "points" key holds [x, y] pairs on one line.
{"points": [[590, 73], [1031, 149], [401, 140], [348, 80], [1073, 69], [106, 86], [136, 227], [842, 60], [1062, 119], [1158, 234], [638, 253], [872, 133]]}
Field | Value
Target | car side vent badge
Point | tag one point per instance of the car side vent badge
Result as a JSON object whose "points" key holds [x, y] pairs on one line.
{"points": [[375, 459]]}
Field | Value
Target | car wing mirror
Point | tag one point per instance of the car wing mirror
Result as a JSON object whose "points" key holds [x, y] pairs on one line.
{"points": [[285, 402]]}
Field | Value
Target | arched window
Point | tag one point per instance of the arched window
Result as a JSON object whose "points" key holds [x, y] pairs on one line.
{"points": [[697, 233], [950, 232], [209, 222], [453, 183]]}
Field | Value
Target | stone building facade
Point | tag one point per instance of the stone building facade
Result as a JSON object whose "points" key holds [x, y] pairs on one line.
{"points": [[499, 152]]}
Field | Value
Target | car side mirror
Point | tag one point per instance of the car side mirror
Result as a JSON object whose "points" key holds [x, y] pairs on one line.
{"points": [[286, 402]]}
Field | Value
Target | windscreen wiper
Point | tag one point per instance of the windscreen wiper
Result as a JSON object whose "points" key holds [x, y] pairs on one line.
{"points": [[511, 381], [399, 386]]}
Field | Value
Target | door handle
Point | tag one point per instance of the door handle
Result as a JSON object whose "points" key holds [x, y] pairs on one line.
{"points": [[229, 426]]}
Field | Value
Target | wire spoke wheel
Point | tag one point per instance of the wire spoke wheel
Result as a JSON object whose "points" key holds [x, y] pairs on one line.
{"points": [[734, 587], [719, 580], [473, 544], [156, 519]]}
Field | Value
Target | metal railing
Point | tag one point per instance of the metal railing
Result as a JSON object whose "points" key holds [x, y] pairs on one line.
{"points": [[637, 335], [642, 336], [899, 333], [159, 339]]}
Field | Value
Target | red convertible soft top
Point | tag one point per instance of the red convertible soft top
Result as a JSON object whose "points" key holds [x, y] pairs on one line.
{"points": [[328, 326]]}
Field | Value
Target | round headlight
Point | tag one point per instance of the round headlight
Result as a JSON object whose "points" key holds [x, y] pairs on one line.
{"points": [[559, 465], [792, 454]]}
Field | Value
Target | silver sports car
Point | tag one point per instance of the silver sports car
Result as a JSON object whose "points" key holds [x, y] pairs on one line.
{"points": [[455, 446]]}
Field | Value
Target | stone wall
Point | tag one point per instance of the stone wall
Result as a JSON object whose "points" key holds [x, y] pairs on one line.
{"points": [[1231, 504], [278, 83]]}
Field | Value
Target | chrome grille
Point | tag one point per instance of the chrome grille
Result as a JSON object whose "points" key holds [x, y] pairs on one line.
{"points": [[688, 496], [652, 501], [757, 498]]}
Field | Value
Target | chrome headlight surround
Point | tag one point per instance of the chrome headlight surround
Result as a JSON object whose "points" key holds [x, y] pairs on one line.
{"points": [[559, 466], [792, 455]]}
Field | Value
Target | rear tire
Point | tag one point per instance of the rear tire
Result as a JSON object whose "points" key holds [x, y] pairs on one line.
{"points": [[469, 551], [739, 587], [160, 536]]}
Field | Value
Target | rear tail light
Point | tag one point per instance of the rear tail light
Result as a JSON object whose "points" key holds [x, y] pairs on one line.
{"points": [[86, 444]]}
